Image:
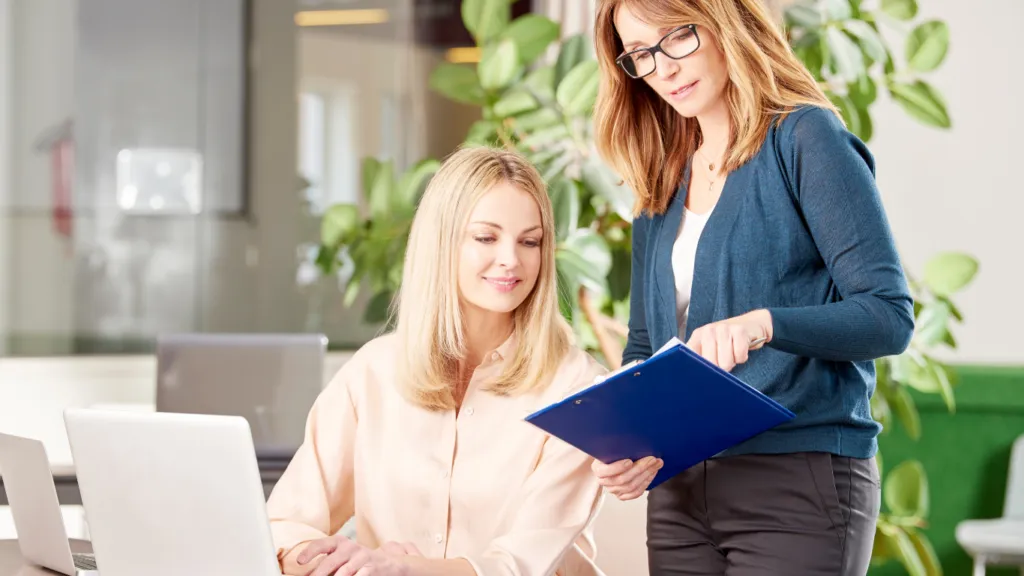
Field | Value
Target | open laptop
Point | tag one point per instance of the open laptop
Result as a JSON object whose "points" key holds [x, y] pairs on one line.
{"points": [[169, 494], [32, 497], [271, 380]]}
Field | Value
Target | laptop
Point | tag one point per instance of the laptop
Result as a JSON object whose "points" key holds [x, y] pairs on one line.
{"points": [[168, 494], [32, 497], [271, 380]]}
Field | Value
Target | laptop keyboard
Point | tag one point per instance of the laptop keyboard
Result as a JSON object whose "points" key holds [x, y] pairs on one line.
{"points": [[84, 561]]}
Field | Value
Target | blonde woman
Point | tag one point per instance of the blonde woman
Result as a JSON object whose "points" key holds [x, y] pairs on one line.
{"points": [[421, 435], [757, 219]]}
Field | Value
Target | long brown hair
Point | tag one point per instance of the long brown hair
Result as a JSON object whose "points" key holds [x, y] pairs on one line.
{"points": [[646, 141]]}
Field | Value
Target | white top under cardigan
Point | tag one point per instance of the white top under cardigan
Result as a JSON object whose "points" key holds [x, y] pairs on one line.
{"points": [[683, 253]]}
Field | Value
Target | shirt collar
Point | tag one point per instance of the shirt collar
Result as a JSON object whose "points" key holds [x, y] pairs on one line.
{"points": [[503, 351]]}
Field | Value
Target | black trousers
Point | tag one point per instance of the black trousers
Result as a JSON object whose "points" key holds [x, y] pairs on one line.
{"points": [[806, 513]]}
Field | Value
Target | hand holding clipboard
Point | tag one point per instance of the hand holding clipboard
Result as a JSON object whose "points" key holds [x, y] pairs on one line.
{"points": [[675, 406]]}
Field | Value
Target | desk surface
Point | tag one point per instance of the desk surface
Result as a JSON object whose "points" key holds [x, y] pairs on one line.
{"points": [[12, 565], [66, 482]]}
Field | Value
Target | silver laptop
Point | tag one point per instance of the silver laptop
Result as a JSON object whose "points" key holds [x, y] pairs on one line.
{"points": [[271, 380], [171, 494], [32, 497]]}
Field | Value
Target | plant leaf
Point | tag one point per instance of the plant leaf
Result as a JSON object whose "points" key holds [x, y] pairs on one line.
{"points": [[925, 551], [809, 50], [950, 272], [945, 385], [585, 259], [382, 190], [927, 45], [908, 555], [482, 132], [863, 93], [377, 309], [881, 412], [565, 202], [568, 299], [900, 9], [498, 65], [485, 19], [903, 405], [513, 103], [906, 490], [415, 179], [543, 118], [804, 16], [856, 118], [838, 9], [541, 82], [574, 50], [868, 38], [351, 290], [545, 136], [847, 59], [457, 82], [952, 308], [602, 182], [619, 276], [577, 92], [932, 324], [884, 547], [532, 34], [922, 102], [339, 221]]}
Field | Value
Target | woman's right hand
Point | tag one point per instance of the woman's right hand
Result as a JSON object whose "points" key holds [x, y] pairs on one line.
{"points": [[627, 479]]}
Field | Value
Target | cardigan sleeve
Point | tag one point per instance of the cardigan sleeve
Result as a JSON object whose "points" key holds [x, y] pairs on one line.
{"points": [[831, 173], [638, 341]]}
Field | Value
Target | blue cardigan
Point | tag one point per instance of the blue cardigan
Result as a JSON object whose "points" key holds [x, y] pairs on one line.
{"points": [[799, 230]]}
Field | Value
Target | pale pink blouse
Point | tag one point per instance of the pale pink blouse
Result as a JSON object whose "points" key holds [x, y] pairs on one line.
{"points": [[483, 485]]}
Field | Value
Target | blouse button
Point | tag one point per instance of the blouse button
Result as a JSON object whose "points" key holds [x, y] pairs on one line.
{"points": [[494, 356], [438, 538], [469, 411]]}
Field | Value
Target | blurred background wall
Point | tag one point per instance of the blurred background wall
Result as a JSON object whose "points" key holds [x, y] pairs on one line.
{"points": [[262, 101]]}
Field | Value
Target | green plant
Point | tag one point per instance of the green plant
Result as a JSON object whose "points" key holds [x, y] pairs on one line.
{"points": [[905, 490], [542, 108], [843, 43]]}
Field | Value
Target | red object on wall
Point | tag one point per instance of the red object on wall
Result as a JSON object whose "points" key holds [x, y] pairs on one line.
{"points": [[62, 158], [59, 143]]}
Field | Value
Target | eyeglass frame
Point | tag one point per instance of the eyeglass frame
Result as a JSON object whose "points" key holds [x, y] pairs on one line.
{"points": [[653, 51]]}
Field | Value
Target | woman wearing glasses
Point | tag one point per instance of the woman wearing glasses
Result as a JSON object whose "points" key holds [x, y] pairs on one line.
{"points": [[760, 240]]}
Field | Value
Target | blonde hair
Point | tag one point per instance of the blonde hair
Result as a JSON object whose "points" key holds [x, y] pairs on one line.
{"points": [[646, 141], [430, 325]]}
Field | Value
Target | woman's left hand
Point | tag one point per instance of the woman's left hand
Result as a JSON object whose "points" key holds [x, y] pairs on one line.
{"points": [[728, 342], [343, 557]]}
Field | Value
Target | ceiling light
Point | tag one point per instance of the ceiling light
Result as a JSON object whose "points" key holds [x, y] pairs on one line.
{"points": [[341, 17], [463, 55]]}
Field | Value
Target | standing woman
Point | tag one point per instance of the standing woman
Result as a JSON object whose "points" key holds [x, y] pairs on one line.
{"points": [[757, 217]]}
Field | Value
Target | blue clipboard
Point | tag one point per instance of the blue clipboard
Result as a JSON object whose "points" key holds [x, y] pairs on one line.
{"points": [[676, 406]]}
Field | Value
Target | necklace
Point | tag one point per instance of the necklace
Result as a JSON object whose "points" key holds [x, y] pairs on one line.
{"points": [[712, 175]]}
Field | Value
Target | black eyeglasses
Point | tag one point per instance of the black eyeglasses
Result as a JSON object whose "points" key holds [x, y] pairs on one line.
{"points": [[677, 44]]}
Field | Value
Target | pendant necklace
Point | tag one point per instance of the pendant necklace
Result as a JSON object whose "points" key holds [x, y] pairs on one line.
{"points": [[712, 177]]}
